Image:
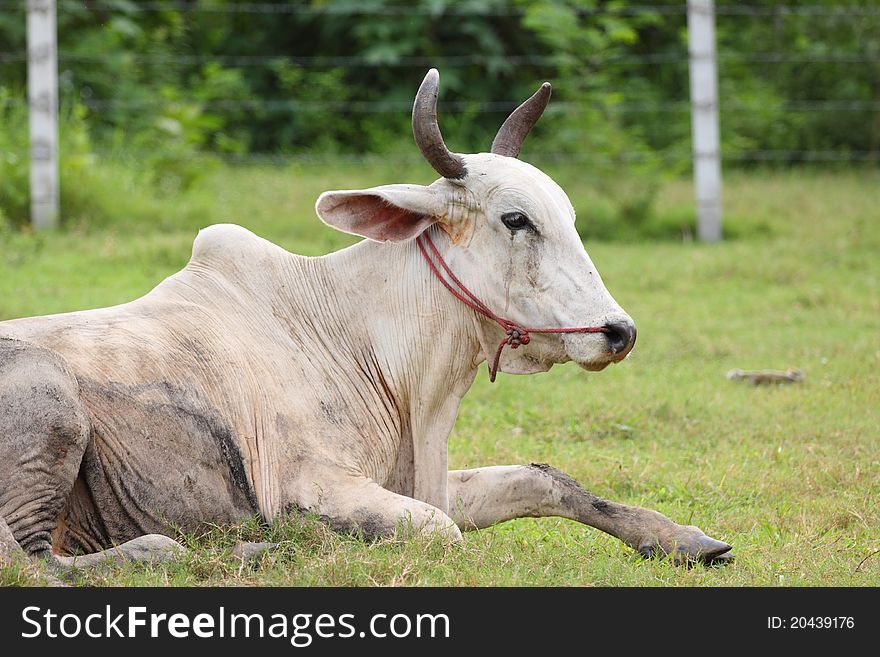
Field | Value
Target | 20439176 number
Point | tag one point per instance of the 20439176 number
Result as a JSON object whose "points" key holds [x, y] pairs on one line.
{"points": [[821, 622]]}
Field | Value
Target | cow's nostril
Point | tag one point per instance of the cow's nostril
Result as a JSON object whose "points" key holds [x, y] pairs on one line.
{"points": [[621, 336]]}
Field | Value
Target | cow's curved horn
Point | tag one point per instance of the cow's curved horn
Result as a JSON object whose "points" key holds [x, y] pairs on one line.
{"points": [[427, 132], [514, 130]]}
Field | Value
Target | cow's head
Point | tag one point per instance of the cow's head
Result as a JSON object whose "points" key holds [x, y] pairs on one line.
{"points": [[514, 243]]}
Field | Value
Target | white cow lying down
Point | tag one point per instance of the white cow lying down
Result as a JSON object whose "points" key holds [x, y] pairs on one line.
{"points": [[256, 381]]}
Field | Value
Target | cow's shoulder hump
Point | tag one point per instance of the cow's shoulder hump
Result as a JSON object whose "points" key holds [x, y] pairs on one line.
{"points": [[224, 241]]}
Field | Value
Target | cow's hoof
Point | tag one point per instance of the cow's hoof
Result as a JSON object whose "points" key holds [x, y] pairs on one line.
{"points": [[686, 544], [151, 548]]}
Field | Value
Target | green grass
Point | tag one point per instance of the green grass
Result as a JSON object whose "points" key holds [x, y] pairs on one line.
{"points": [[789, 475]]}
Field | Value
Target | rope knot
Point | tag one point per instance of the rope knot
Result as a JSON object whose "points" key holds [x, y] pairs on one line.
{"points": [[517, 336]]}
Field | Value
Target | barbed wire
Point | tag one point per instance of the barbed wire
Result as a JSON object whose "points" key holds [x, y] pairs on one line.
{"points": [[352, 9], [359, 61], [840, 11], [798, 58], [457, 60], [373, 107], [562, 158], [316, 62], [743, 156], [802, 156], [384, 107], [452, 107]]}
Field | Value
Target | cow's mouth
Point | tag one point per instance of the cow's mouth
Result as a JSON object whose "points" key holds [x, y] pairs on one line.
{"points": [[595, 366]]}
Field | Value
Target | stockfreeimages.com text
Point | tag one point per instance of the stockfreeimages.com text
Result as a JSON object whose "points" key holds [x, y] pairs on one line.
{"points": [[300, 629]]}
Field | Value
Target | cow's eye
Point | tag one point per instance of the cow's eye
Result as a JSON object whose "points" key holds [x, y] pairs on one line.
{"points": [[516, 221]]}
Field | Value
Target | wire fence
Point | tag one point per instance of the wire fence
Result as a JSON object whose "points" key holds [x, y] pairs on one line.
{"points": [[449, 107], [276, 8], [242, 61], [268, 105], [781, 155]]}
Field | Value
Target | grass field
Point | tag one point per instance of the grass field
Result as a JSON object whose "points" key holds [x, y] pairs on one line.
{"points": [[789, 475]]}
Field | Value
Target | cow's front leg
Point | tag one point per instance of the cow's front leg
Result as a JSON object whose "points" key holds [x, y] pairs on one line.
{"points": [[485, 496], [357, 504]]}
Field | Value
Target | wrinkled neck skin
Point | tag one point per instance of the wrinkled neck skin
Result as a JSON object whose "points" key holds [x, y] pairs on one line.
{"points": [[425, 343]]}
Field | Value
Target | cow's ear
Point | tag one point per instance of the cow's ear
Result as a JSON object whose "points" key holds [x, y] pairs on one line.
{"points": [[390, 213]]}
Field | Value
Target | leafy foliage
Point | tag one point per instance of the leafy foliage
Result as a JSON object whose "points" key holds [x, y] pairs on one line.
{"points": [[180, 74], [160, 87]]}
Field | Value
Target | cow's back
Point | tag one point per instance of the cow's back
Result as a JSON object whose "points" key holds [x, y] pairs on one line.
{"points": [[199, 328]]}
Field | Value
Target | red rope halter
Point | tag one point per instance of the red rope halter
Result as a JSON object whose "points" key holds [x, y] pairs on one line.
{"points": [[516, 334]]}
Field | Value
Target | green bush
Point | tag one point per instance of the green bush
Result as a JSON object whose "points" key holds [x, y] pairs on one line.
{"points": [[14, 197], [116, 184]]}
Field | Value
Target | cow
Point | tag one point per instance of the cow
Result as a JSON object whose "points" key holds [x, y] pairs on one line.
{"points": [[257, 382]]}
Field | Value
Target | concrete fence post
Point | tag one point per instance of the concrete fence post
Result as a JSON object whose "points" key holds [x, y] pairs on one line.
{"points": [[704, 118], [42, 44]]}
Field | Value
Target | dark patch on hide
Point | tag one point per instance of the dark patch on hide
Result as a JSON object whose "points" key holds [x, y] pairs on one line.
{"points": [[331, 414], [166, 400], [401, 476], [401, 479], [602, 507], [81, 529], [373, 526], [564, 480], [533, 259], [364, 524], [160, 456], [573, 494]]}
